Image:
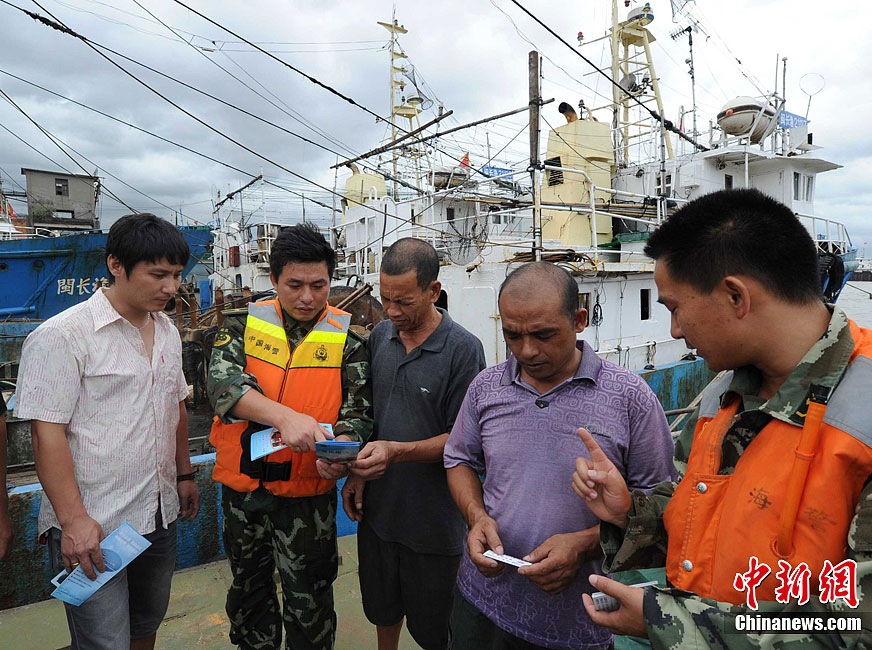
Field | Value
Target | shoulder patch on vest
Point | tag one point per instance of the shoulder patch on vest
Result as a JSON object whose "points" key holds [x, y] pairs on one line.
{"points": [[850, 408], [710, 403]]}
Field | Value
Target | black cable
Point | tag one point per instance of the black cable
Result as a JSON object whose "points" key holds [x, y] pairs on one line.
{"points": [[63, 28], [54, 162], [59, 26], [242, 110], [107, 172], [55, 141], [154, 135], [298, 71], [667, 124], [284, 63]]}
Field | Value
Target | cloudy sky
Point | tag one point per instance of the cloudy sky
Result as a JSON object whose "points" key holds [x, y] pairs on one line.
{"points": [[470, 55]]}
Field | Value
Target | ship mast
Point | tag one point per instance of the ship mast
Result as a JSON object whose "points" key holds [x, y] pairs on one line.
{"points": [[633, 69], [399, 106]]}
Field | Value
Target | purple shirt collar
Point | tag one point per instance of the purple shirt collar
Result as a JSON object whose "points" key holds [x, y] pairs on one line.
{"points": [[588, 368]]}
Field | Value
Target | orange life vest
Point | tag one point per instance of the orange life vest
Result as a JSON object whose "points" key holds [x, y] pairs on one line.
{"points": [[307, 379], [716, 522]]}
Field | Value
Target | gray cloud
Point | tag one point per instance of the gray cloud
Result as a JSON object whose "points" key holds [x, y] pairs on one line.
{"points": [[468, 52]]}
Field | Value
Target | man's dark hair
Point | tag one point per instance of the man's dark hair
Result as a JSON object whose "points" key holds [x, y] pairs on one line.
{"points": [[410, 254], [302, 243], [546, 273], [143, 237], [739, 232]]}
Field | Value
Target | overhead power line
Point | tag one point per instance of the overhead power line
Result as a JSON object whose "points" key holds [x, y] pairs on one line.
{"points": [[315, 81], [300, 72], [667, 124], [220, 67], [146, 132], [60, 145], [57, 24]]}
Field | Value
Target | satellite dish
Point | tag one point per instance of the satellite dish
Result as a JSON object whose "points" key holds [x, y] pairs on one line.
{"points": [[415, 100], [629, 84], [463, 237], [811, 84]]}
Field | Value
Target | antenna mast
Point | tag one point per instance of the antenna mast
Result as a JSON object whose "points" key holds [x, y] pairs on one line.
{"points": [[690, 69], [631, 57], [399, 107]]}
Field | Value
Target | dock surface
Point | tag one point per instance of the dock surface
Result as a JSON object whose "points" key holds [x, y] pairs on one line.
{"points": [[195, 617]]}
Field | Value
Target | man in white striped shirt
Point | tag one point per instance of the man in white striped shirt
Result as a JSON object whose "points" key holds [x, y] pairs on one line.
{"points": [[102, 384]]}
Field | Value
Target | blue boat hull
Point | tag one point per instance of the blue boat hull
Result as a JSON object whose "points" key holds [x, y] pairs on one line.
{"points": [[41, 277]]}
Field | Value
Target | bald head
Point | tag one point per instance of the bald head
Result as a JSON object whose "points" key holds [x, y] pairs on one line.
{"points": [[410, 254], [537, 278]]}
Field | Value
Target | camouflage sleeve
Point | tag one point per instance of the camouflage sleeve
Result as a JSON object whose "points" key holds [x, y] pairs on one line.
{"points": [[643, 544], [227, 380], [683, 443], [355, 415], [678, 619]]}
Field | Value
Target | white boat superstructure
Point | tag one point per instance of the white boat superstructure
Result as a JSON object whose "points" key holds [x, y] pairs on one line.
{"points": [[608, 177]]}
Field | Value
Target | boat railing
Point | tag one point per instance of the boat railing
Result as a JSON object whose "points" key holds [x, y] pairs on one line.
{"points": [[28, 232], [829, 235]]}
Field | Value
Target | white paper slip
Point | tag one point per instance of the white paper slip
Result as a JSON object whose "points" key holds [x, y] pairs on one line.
{"points": [[605, 603], [507, 559], [269, 440]]}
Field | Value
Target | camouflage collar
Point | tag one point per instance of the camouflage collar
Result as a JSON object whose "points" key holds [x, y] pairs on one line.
{"points": [[297, 330], [823, 364]]}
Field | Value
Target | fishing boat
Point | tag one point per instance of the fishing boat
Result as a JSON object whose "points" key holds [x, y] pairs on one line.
{"points": [[608, 177], [43, 273], [586, 199]]}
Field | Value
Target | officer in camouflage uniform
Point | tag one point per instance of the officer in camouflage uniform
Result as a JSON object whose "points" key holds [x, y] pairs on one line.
{"points": [[719, 260], [264, 531]]}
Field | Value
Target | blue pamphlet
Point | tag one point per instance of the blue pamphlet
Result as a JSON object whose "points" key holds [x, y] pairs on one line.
{"points": [[269, 440], [337, 451], [120, 548]]}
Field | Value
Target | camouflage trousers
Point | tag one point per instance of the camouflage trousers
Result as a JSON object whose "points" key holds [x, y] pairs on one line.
{"points": [[296, 536]]}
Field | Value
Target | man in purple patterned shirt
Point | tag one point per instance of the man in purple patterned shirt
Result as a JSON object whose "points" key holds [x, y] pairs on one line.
{"points": [[519, 427]]}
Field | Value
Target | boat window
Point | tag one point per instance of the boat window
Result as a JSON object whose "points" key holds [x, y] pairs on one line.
{"points": [[728, 181], [645, 304], [442, 300], [63, 214], [803, 187], [667, 189], [555, 176], [62, 187], [449, 214]]}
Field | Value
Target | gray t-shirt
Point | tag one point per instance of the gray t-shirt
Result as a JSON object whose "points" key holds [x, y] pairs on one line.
{"points": [[416, 397]]}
